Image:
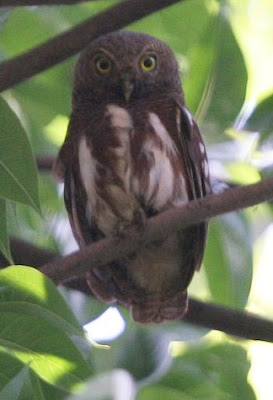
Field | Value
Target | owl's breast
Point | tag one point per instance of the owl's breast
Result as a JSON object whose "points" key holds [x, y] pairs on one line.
{"points": [[131, 161], [157, 168]]}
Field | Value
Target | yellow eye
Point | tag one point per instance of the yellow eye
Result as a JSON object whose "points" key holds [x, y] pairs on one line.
{"points": [[148, 63], [103, 65]]}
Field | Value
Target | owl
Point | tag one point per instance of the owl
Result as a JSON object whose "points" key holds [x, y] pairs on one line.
{"points": [[133, 150]]}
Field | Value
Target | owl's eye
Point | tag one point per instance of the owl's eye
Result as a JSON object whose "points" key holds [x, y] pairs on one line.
{"points": [[148, 63], [103, 65]]}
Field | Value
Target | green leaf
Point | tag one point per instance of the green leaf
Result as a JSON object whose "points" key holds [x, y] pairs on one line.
{"points": [[46, 349], [4, 15], [37, 327], [214, 75], [10, 367], [261, 120], [187, 28], [228, 260], [162, 393], [14, 388], [179, 331], [4, 240], [225, 90], [25, 290], [46, 95], [19, 381], [143, 353], [205, 372], [18, 172], [87, 308]]}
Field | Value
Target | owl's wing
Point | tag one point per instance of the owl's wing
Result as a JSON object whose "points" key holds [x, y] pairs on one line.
{"points": [[66, 153], [76, 207], [197, 177], [66, 170], [194, 155]]}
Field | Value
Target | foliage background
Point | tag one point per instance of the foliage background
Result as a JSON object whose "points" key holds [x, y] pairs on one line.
{"points": [[225, 53]]}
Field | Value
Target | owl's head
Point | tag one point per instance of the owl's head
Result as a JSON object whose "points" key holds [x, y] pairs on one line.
{"points": [[124, 66]]}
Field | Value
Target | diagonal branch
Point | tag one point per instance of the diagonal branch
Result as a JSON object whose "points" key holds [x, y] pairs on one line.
{"points": [[72, 41], [208, 315], [158, 228]]}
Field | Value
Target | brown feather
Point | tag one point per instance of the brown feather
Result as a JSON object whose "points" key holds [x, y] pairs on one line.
{"points": [[124, 160]]}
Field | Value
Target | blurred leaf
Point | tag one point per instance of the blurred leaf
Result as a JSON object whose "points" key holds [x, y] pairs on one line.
{"points": [[143, 353], [115, 385], [261, 120], [18, 172], [197, 79], [41, 23], [167, 25], [243, 173], [85, 307], [225, 91], [12, 367], [49, 392], [193, 40], [214, 74], [216, 372], [157, 392], [179, 331], [14, 388], [267, 172], [228, 260], [4, 240], [4, 15], [43, 232], [46, 95]]}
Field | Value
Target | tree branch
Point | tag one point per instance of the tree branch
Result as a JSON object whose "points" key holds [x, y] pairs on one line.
{"points": [[72, 41], [45, 163], [212, 316], [158, 228], [27, 254], [232, 322]]}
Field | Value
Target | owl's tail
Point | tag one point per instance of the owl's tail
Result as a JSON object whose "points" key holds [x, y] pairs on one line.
{"points": [[159, 311]]}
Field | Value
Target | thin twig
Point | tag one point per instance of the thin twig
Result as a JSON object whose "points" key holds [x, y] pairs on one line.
{"points": [[72, 41], [158, 228]]}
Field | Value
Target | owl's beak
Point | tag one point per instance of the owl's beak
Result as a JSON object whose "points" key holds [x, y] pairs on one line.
{"points": [[128, 88]]}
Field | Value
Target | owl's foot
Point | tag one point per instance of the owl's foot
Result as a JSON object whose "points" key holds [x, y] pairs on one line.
{"points": [[133, 226], [157, 311]]}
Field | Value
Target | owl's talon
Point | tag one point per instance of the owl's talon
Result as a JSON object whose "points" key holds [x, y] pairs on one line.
{"points": [[140, 219], [131, 227]]}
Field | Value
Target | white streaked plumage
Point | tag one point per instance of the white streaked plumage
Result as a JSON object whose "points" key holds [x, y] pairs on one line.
{"points": [[162, 133], [120, 118], [88, 165]]}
